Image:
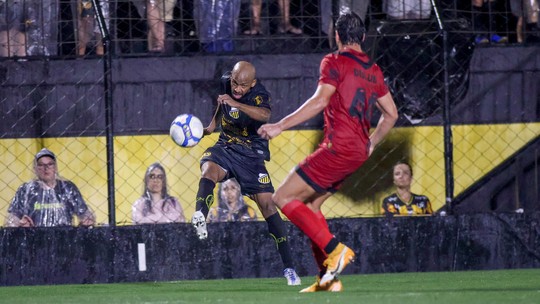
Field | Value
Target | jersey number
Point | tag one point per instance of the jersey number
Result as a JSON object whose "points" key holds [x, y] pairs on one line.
{"points": [[358, 108]]}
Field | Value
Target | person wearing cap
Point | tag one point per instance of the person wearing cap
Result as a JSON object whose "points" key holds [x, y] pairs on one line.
{"points": [[48, 200]]}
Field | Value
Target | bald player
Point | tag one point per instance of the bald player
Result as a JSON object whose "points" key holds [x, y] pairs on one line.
{"points": [[241, 153]]}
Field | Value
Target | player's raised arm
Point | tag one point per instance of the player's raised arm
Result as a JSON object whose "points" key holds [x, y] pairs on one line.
{"points": [[311, 107]]}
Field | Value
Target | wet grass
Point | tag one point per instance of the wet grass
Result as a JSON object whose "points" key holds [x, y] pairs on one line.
{"points": [[501, 286]]}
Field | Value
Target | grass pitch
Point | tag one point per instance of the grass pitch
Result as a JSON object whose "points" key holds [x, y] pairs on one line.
{"points": [[501, 286]]}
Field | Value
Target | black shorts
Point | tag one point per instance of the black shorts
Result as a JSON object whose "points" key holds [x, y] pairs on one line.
{"points": [[243, 164]]}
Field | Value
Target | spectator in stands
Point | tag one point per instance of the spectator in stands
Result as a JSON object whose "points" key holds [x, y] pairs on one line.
{"points": [[359, 7], [48, 200], [12, 27], [403, 201], [158, 13], [527, 27], [408, 9], [42, 20], [87, 26], [285, 25], [231, 205], [156, 205], [216, 22], [484, 24]]}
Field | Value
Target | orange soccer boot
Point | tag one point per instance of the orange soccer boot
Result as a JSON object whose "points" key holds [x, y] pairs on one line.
{"points": [[337, 260], [333, 286]]}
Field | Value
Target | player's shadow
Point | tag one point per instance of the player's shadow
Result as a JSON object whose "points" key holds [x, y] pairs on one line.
{"points": [[375, 176]]}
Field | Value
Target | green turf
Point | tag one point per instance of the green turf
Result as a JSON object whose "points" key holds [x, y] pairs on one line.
{"points": [[502, 286]]}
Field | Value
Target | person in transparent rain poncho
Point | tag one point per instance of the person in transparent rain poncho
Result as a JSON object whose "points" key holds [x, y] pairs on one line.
{"points": [[48, 200], [231, 205]]}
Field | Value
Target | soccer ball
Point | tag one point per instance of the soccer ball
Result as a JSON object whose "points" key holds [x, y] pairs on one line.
{"points": [[186, 130]]}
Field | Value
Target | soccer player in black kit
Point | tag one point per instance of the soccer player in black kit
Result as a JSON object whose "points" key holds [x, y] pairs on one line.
{"points": [[241, 153]]}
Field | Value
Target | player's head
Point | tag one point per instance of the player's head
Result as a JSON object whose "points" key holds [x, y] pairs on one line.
{"points": [[155, 180], [402, 174], [243, 78], [350, 29], [45, 165]]}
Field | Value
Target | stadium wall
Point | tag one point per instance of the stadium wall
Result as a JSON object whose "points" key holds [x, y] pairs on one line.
{"points": [[360, 196], [172, 252]]}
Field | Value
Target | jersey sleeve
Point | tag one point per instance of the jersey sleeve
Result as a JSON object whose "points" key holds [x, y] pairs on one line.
{"points": [[77, 201], [262, 99], [387, 207], [329, 73], [429, 209], [381, 88], [17, 206], [225, 83]]}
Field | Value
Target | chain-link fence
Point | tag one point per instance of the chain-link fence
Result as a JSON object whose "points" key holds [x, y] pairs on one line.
{"points": [[68, 28], [160, 64]]}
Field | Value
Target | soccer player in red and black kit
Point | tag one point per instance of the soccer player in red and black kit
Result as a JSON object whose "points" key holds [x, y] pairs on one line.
{"points": [[350, 86]]}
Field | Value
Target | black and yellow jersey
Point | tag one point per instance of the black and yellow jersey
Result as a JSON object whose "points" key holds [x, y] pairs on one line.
{"points": [[417, 205], [237, 127]]}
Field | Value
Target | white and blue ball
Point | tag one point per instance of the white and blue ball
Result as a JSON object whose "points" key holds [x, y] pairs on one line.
{"points": [[186, 130]]}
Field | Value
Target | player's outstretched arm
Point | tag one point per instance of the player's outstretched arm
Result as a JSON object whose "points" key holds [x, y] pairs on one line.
{"points": [[388, 118], [313, 106]]}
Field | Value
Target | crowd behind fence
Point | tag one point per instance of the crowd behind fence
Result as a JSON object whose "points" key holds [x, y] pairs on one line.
{"points": [[61, 107], [68, 28]]}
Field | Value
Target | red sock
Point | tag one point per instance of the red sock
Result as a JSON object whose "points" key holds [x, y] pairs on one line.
{"points": [[300, 215], [318, 253]]}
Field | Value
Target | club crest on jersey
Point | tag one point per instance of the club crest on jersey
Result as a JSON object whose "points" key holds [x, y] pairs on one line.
{"points": [[264, 178], [234, 113]]}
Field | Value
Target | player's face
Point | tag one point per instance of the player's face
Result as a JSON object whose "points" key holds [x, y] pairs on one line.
{"points": [[231, 192], [402, 175], [240, 85], [46, 169], [155, 180]]}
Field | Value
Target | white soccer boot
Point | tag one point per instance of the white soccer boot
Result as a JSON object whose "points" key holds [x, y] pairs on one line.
{"points": [[292, 278], [199, 222]]}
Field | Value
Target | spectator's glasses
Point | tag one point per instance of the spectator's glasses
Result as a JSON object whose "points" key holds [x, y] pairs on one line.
{"points": [[157, 176], [44, 166]]}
